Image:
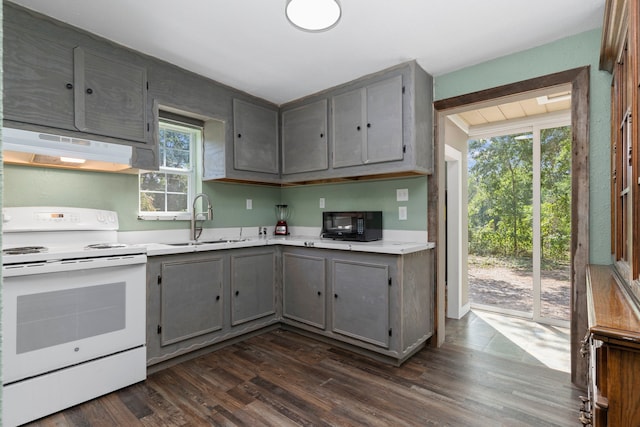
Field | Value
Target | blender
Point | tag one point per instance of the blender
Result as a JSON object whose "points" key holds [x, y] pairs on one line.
{"points": [[282, 215]]}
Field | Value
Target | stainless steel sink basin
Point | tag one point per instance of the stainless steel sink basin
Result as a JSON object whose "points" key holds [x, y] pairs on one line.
{"points": [[208, 242]]}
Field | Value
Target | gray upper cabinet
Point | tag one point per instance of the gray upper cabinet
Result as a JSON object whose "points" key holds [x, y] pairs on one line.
{"points": [[252, 285], [380, 124], [37, 76], [304, 284], [52, 81], [305, 145], [367, 124], [110, 96], [361, 301], [255, 138]]}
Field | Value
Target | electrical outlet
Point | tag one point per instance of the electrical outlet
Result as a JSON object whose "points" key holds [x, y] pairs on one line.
{"points": [[321, 202], [249, 204], [402, 213], [402, 194]]}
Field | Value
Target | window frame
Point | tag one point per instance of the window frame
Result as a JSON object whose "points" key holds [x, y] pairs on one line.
{"points": [[193, 184]]}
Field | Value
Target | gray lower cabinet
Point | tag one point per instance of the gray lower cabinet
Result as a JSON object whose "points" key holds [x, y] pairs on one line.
{"points": [[361, 300], [196, 301], [305, 145], [252, 284], [304, 285], [190, 299], [50, 80], [377, 304], [367, 124], [255, 138]]}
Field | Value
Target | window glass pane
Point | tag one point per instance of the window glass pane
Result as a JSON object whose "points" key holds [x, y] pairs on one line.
{"points": [[177, 202], [152, 202], [175, 147], [152, 181], [177, 183]]}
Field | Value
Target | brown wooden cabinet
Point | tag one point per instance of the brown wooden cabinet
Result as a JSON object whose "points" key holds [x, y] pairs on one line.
{"points": [[612, 346]]}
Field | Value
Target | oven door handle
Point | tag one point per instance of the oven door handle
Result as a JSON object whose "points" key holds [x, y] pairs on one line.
{"points": [[55, 266]]}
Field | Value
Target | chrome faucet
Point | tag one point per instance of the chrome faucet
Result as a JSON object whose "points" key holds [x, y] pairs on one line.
{"points": [[197, 231]]}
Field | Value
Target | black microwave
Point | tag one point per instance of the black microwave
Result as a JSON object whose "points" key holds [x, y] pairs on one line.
{"points": [[363, 226]]}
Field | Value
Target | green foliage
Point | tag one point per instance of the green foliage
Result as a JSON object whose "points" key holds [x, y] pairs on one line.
{"points": [[501, 194]]}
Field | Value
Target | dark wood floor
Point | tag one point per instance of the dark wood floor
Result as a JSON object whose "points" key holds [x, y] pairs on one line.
{"points": [[284, 379]]}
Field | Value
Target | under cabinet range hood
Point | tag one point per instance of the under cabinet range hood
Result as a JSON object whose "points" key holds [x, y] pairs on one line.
{"points": [[31, 148]]}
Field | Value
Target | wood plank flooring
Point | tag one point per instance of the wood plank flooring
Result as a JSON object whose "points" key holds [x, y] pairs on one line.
{"points": [[281, 378]]}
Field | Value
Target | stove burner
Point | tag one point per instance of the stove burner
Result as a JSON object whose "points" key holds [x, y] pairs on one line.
{"points": [[106, 246], [24, 250]]}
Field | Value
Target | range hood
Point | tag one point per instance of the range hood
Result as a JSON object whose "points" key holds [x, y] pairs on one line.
{"points": [[48, 150]]}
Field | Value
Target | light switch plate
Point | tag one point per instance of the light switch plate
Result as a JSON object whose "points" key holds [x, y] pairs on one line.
{"points": [[402, 194], [321, 202], [402, 213], [249, 204]]}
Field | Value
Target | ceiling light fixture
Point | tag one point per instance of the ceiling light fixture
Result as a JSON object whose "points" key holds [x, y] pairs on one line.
{"points": [[313, 15]]}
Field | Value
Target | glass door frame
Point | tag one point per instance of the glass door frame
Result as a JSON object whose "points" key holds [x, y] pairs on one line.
{"points": [[534, 126]]}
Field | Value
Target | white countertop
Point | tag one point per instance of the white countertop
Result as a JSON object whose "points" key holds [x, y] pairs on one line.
{"points": [[379, 246]]}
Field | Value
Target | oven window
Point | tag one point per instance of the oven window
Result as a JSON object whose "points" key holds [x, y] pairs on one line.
{"points": [[47, 319]]}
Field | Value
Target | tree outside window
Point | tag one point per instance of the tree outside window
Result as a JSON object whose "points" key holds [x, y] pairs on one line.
{"points": [[168, 190]]}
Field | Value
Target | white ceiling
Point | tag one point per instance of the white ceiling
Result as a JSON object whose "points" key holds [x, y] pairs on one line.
{"points": [[249, 44]]}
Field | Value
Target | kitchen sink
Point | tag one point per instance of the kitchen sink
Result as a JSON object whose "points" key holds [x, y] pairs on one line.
{"points": [[208, 242]]}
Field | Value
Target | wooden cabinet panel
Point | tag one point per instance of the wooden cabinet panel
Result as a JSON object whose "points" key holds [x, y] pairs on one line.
{"points": [[252, 286], [304, 289], [384, 121], [361, 301], [110, 96], [191, 299], [37, 75], [614, 351], [349, 128], [304, 138], [255, 138]]}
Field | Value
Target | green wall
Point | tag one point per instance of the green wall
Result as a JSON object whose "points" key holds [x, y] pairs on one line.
{"points": [[571, 52], [363, 195], [35, 186]]}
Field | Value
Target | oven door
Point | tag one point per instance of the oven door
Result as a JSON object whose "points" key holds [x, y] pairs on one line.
{"points": [[62, 313]]}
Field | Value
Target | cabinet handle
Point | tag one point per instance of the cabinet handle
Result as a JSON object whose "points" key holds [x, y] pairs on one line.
{"points": [[322, 135], [358, 128], [335, 296], [239, 135], [69, 86], [319, 293], [237, 293], [217, 297], [89, 90], [368, 125]]}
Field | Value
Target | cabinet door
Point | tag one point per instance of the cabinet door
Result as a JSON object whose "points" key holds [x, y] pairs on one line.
{"points": [[384, 121], [304, 284], [349, 134], [110, 96], [361, 301], [255, 140], [252, 286], [304, 138], [38, 76], [191, 299]]}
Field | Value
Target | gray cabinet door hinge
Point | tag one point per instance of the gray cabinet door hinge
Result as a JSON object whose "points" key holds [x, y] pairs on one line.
{"points": [[390, 332], [159, 329], [159, 279], [389, 281], [404, 148], [402, 89]]}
